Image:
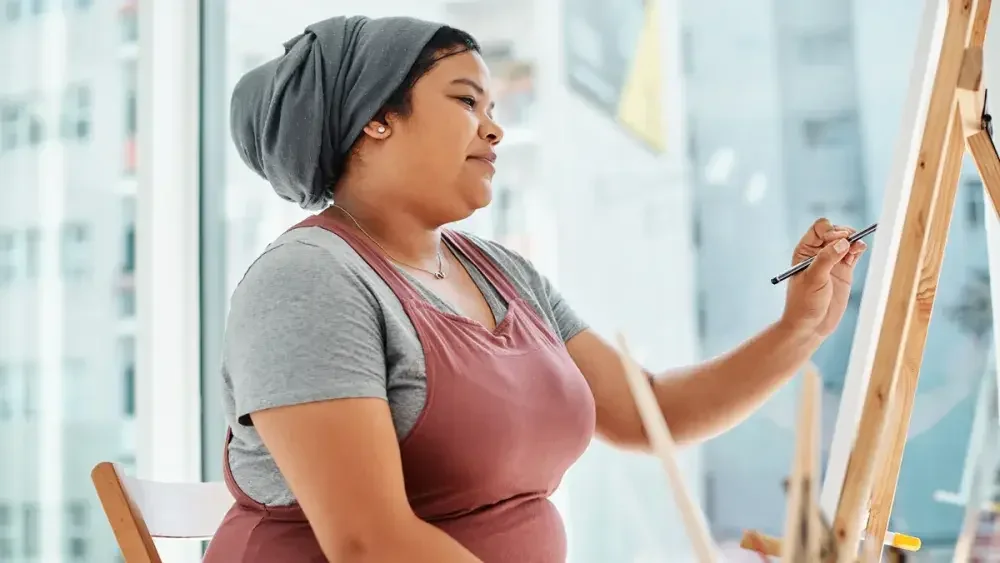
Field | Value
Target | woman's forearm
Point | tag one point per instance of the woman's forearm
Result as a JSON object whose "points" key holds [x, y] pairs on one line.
{"points": [[702, 401], [414, 541]]}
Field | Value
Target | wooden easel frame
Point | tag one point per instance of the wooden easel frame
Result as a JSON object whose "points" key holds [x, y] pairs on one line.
{"points": [[947, 119], [813, 536], [984, 467]]}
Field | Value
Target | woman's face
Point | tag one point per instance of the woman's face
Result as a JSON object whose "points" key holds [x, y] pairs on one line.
{"points": [[441, 157]]}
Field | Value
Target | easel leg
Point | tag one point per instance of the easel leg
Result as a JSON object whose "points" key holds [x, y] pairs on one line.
{"points": [[901, 404], [982, 480], [902, 301], [988, 165], [803, 533]]}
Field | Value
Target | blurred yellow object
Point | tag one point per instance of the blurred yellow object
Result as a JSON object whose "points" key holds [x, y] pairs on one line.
{"points": [[902, 541]]}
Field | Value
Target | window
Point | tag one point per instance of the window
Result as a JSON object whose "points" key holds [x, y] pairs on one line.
{"points": [[32, 250], [128, 218], [830, 131], [128, 392], [129, 23], [12, 10], [130, 77], [126, 351], [8, 257], [687, 51], [10, 126], [131, 100], [36, 129], [61, 111], [30, 539], [702, 315], [126, 302], [128, 264], [972, 192], [76, 113], [77, 522], [77, 513], [75, 250], [6, 409], [78, 549], [29, 386]]}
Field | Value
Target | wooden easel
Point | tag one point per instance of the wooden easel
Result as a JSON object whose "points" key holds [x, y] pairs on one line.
{"points": [[812, 535], [955, 119], [985, 463], [813, 538], [808, 536], [804, 522], [949, 119]]}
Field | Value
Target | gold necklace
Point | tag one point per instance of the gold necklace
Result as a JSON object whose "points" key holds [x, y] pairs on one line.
{"points": [[439, 274]]}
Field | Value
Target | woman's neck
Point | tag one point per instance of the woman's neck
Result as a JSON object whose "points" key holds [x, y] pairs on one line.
{"points": [[400, 234]]}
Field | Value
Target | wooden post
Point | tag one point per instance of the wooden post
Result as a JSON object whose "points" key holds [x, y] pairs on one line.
{"points": [[663, 446], [982, 476], [901, 404], [803, 529]]}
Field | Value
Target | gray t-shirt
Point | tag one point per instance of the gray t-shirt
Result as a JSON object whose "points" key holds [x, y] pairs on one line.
{"points": [[312, 321]]}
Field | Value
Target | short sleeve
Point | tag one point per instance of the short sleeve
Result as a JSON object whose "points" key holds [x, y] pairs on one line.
{"points": [[567, 322], [303, 326]]}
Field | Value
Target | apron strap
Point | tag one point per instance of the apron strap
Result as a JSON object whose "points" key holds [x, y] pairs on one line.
{"points": [[486, 265]]}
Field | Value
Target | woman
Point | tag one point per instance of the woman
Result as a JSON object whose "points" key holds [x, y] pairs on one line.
{"points": [[398, 391]]}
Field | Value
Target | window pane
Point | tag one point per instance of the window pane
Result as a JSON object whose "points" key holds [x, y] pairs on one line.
{"points": [[66, 253], [659, 196]]}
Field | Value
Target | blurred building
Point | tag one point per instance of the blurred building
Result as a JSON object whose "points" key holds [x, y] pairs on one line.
{"points": [[67, 302], [793, 113]]}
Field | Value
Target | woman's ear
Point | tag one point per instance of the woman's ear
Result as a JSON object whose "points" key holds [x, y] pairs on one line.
{"points": [[377, 130]]}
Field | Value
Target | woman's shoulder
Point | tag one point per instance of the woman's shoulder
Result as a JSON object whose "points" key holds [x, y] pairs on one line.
{"points": [[307, 263]]}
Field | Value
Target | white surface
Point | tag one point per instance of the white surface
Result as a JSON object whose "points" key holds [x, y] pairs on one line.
{"points": [[179, 510], [167, 268], [883, 260]]}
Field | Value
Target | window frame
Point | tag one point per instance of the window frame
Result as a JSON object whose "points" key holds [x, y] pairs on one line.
{"points": [[168, 351]]}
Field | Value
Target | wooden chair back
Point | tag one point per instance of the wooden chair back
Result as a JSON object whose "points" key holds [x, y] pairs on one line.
{"points": [[139, 510]]}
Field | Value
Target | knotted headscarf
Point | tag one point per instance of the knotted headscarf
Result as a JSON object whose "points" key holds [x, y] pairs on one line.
{"points": [[294, 118]]}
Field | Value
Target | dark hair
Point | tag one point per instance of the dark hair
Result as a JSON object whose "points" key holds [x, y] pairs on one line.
{"points": [[446, 42]]}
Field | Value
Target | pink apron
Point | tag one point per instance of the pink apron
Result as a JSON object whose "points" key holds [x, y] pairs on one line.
{"points": [[507, 413]]}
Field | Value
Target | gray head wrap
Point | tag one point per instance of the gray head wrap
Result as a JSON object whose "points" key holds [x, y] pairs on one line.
{"points": [[294, 118]]}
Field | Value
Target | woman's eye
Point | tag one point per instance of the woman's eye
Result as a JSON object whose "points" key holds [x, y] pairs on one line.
{"points": [[471, 102]]}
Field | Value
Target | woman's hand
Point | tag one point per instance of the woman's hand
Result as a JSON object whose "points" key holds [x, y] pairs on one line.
{"points": [[817, 297]]}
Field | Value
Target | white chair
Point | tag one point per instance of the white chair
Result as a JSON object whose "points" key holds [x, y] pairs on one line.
{"points": [[140, 510]]}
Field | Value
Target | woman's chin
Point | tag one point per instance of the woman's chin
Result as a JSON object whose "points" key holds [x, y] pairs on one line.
{"points": [[479, 194]]}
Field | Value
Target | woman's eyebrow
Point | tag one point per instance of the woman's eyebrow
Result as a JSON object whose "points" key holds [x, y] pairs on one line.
{"points": [[470, 82]]}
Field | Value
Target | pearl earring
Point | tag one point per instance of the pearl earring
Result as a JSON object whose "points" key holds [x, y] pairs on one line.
{"points": [[381, 129]]}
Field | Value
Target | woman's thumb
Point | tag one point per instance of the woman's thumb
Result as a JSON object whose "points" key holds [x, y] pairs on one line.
{"points": [[828, 257]]}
